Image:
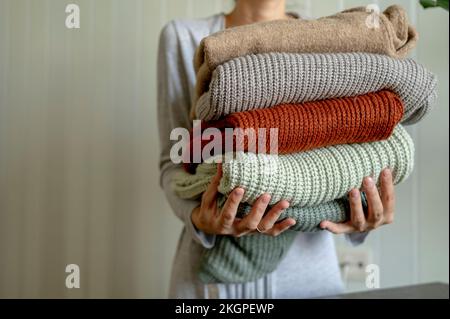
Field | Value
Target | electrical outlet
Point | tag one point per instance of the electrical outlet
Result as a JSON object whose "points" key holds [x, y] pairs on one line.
{"points": [[353, 263]]}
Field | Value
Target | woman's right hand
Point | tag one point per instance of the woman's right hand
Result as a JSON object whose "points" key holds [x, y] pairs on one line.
{"points": [[211, 220]]}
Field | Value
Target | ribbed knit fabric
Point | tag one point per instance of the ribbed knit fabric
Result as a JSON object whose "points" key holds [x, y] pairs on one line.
{"points": [[320, 175], [309, 125], [237, 260], [307, 219], [307, 178], [247, 258], [188, 186], [191, 186], [234, 260], [265, 80], [394, 37]]}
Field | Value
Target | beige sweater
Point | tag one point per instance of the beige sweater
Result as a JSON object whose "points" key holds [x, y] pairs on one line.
{"points": [[347, 31]]}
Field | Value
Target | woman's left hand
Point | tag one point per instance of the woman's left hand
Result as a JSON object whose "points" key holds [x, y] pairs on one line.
{"points": [[380, 207]]}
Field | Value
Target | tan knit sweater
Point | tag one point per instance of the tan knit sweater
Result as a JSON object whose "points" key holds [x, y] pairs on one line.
{"points": [[394, 37]]}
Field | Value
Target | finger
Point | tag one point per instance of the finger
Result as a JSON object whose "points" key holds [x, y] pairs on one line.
{"points": [[338, 228], [375, 206], [357, 217], [209, 196], [252, 220], [272, 216], [281, 227], [388, 195], [229, 210]]}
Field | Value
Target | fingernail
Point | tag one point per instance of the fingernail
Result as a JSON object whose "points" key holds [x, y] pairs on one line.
{"points": [[266, 198], [354, 193], [387, 172], [239, 191], [368, 181]]}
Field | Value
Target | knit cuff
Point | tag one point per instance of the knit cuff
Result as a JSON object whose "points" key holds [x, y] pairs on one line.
{"points": [[207, 241]]}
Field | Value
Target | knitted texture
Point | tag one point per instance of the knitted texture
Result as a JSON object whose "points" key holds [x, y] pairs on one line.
{"points": [[307, 219], [244, 259], [395, 37], [264, 80], [188, 186], [320, 175], [192, 186], [236, 260], [312, 177], [309, 125]]}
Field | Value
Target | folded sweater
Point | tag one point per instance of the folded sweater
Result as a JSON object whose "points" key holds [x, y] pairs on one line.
{"points": [[247, 258], [306, 178], [265, 80], [394, 37], [235, 260], [304, 126], [244, 259]]}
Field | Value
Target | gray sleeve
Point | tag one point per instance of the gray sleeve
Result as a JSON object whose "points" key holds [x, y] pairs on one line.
{"points": [[173, 111]]}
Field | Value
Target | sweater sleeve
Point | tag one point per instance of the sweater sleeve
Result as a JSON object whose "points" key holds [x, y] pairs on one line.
{"points": [[173, 111]]}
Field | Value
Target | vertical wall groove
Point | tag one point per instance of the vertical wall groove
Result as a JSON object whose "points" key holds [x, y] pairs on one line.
{"points": [[415, 132]]}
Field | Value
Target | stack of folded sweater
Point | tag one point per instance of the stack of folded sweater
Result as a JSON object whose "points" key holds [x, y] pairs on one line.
{"points": [[335, 89]]}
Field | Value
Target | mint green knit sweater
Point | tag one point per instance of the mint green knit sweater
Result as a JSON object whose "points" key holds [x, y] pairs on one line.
{"points": [[320, 175]]}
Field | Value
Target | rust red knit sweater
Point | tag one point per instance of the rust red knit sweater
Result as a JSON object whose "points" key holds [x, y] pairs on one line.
{"points": [[304, 126]]}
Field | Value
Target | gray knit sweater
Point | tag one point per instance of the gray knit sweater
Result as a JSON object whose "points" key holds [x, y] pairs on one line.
{"points": [[265, 80], [309, 268]]}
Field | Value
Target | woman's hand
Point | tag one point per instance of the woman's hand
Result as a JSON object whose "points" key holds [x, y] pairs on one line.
{"points": [[380, 207], [211, 220]]}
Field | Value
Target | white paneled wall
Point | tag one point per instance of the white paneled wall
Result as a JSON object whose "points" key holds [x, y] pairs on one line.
{"points": [[79, 151]]}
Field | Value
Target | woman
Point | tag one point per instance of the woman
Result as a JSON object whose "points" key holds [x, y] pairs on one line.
{"points": [[310, 268]]}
